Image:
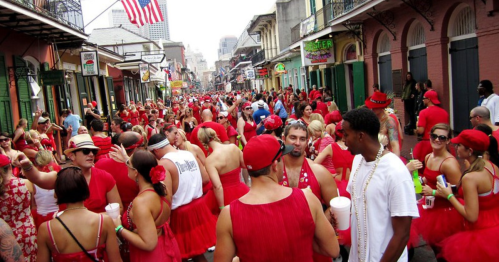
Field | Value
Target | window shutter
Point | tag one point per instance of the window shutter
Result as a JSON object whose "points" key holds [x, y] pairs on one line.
{"points": [[6, 122], [80, 82], [341, 98], [23, 89], [112, 96], [359, 90]]}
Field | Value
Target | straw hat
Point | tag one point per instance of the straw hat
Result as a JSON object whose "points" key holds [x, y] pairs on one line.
{"points": [[80, 142]]}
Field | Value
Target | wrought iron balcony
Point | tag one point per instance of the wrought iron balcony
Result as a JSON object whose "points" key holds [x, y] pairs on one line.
{"points": [[67, 12], [258, 57], [338, 8]]}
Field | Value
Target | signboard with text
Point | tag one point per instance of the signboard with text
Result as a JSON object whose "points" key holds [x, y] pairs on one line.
{"points": [[280, 69], [89, 63], [158, 58], [318, 52], [250, 74], [52, 77], [176, 84]]}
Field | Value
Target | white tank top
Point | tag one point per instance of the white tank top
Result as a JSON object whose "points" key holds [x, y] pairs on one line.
{"points": [[190, 183], [45, 201]]}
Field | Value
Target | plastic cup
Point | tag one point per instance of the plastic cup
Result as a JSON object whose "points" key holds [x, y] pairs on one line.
{"points": [[262, 117], [429, 202], [113, 210], [341, 209]]}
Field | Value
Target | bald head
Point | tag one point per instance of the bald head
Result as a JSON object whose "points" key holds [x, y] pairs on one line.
{"points": [[206, 115], [128, 139], [481, 111]]}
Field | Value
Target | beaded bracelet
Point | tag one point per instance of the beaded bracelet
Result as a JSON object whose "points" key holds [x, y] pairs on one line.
{"points": [[449, 196]]}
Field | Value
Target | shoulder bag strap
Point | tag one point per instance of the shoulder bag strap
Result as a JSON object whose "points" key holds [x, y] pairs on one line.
{"points": [[76, 240]]}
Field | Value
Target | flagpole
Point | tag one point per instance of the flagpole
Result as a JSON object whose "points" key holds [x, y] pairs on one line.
{"points": [[101, 13]]}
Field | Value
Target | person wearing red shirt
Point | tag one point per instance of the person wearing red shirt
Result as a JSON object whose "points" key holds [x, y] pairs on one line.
{"points": [[311, 95], [219, 129], [303, 95], [127, 188], [429, 117], [100, 139], [196, 110]]}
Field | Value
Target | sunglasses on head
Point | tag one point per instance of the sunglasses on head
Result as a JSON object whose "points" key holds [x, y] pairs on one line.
{"points": [[87, 151], [296, 122], [440, 138], [128, 164]]}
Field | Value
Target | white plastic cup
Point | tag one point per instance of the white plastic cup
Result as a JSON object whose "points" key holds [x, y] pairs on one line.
{"points": [[341, 209], [429, 202], [113, 210], [262, 117]]}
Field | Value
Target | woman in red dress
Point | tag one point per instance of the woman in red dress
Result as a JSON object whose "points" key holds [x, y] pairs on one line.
{"points": [[246, 125], [18, 140], [479, 187], [123, 113], [231, 131], [134, 116], [442, 220], [224, 167], [303, 113], [15, 202], [272, 222], [145, 223], [95, 232]]}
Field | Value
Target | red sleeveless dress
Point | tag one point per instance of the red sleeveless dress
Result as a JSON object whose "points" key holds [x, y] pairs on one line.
{"points": [[97, 252], [167, 248], [342, 159], [479, 241], [134, 118], [437, 223], [280, 231], [249, 130], [328, 161], [233, 189], [21, 143]]}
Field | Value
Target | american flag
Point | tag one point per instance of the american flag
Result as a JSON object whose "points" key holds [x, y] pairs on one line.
{"points": [[141, 12]]}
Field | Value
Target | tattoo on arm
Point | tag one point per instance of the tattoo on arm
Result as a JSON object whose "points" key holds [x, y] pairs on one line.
{"points": [[10, 251], [393, 133]]}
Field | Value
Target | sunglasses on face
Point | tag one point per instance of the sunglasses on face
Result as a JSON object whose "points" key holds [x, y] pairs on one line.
{"points": [[87, 151], [221, 117], [440, 138], [281, 149], [4, 139], [128, 164], [248, 108]]}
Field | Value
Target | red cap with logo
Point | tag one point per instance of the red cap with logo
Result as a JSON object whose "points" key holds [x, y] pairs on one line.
{"points": [[474, 139], [272, 122], [261, 151]]}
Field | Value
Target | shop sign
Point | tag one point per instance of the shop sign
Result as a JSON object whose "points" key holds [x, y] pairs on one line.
{"points": [[250, 74], [263, 72], [157, 58], [176, 84], [307, 26], [53, 77], [240, 79], [280, 69], [145, 73], [318, 52], [89, 63]]}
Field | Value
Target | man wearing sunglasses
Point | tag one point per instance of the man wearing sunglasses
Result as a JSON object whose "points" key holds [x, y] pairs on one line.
{"points": [[263, 224], [102, 186]]}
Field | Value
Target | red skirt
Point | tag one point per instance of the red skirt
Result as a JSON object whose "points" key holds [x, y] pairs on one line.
{"points": [[438, 223], [473, 245], [194, 227], [210, 199]]}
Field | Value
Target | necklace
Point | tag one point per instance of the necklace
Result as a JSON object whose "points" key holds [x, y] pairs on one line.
{"points": [[73, 208], [362, 252]]}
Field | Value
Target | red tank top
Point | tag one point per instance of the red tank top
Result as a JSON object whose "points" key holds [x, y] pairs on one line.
{"points": [[431, 181], [249, 130], [307, 180], [280, 231]]}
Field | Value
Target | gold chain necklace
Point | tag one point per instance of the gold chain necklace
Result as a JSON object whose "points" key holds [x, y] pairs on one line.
{"points": [[354, 180], [73, 208]]}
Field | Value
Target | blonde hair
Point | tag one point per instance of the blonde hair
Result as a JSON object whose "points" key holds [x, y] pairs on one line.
{"points": [[43, 158], [206, 136], [133, 108], [140, 130], [316, 126], [21, 122], [28, 136], [332, 107], [187, 144], [318, 117]]}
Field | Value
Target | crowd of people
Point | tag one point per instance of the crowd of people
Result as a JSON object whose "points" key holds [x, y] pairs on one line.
{"points": [[250, 175]]}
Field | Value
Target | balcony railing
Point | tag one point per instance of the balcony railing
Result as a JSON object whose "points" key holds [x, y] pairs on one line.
{"points": [[338, 8], [67, 12], [258, 57]]}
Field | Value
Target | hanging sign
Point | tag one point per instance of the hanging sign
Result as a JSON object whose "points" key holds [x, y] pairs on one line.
{"points": [[157, 58], [318, 52], [89, 63], [176, 84], [250, 74], [280, 69], [52, 77], [145, 73]]}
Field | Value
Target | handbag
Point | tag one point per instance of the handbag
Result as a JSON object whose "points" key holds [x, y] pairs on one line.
{"points": [[71, 234]]}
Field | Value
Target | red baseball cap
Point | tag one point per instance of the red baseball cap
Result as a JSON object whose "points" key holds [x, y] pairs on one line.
{"points": [[272, 122], [247, 104], [333, 117], [94, 103], [433, 96], [474, 139], [4, 160], [261, 151]]}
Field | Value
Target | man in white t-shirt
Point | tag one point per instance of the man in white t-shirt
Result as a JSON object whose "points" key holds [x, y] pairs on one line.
{"points": [[491, 100], [258, 98], [383, 197]]}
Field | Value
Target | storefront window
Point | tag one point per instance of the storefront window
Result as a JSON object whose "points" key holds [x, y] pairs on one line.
{"points": [[351, 52]]}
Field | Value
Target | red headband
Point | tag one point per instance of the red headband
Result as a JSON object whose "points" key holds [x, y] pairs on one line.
{"points": [[139, 143]]}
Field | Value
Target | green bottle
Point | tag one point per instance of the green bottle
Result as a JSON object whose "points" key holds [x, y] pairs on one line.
{"points": [[415, 178]]}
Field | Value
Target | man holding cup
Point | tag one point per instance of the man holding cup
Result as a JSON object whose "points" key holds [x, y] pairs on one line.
{"points": [[259, 115], [383, 197]]}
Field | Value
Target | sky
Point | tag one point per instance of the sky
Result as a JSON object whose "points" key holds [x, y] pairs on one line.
{"points": [[197, 23]]}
